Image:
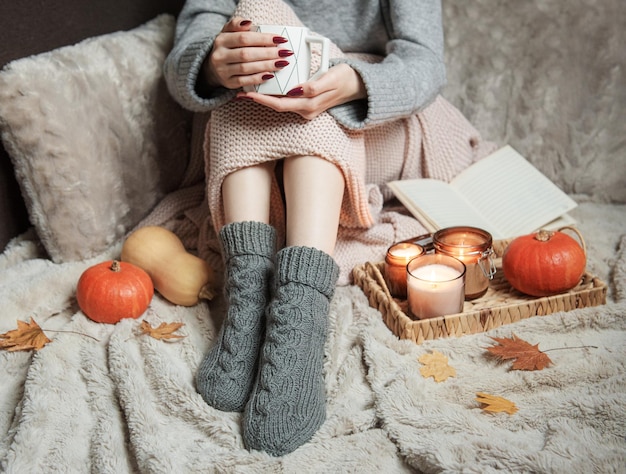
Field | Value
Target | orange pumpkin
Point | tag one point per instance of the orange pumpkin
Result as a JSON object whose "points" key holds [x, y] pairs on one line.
{"points": [[110, 291], [544, 263]]}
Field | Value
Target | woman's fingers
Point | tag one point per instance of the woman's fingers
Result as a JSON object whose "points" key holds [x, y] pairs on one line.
{"points": [[238, 24], [242, 37], [339, 85], [241, 57], [239, 74]]}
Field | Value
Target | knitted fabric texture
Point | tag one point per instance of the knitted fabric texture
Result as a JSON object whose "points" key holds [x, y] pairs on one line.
{"points": [[226, 375], [288, 403]]}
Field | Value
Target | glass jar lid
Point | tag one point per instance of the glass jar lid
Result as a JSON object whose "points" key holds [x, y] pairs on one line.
{"points": [[469, 240]]}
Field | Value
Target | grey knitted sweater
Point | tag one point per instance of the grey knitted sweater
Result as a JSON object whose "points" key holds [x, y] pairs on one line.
{"points": [[407, 33]]}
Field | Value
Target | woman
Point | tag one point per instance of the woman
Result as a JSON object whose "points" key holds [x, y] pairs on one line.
{"points": [[268, 359]]}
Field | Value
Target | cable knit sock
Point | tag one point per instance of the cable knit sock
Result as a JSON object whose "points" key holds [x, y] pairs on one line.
{"points": [[288, 403], [226, 375]]}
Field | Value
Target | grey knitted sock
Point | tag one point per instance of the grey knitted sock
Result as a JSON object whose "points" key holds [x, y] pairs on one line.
{"points": [[288, 403], [226, 375]]}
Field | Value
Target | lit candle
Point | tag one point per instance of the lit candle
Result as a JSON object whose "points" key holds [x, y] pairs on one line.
{"points": [[396, 260], [472, 246], [436, 286]]}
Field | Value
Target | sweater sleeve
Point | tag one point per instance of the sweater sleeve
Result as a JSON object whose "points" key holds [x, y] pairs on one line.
{"points": [[196, 29], [412, 72]]}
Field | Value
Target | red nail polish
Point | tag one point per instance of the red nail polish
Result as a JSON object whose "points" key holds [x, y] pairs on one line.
{"points": [[245, 23], [296, 92], [279, 40], [285, 53], [267, 77], [281, 63]]}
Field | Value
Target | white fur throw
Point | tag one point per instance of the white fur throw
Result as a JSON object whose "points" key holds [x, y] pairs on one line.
{"points": [[127, 403], [94, 137]]}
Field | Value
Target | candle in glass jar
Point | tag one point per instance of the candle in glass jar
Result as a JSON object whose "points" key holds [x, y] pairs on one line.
{"points": [[473, 247], [436, 286], [396, 260]]}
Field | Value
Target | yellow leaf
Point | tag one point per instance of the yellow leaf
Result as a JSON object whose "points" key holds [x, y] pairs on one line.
{"points": [[163, 332], [26, 337], [495, 404], [436, 366]]}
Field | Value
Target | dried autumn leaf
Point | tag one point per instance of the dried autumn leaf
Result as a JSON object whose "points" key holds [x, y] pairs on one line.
{"points": [[436, 366], [525, 355], [163, 332], [26, 337], [495, 404]]}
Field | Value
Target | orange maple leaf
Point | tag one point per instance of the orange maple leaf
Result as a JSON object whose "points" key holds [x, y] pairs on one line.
{"points": [[26, 337], [436, 366], [495, 404], [163, 332], [527, 356]]}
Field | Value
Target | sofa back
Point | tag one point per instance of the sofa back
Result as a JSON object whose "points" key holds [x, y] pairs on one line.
{"points": [[29, 27]]}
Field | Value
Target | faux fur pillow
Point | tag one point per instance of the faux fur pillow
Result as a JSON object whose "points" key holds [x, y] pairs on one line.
{"points": [[94, 136]]}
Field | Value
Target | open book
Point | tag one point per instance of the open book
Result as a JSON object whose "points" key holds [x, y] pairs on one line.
{"points": [[502, 193]]}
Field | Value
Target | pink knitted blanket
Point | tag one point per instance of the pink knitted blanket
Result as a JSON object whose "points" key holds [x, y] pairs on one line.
{"points": [[438, 142]]}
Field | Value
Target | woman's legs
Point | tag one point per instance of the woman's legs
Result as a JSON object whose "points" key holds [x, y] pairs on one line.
{"points": [[288, 402], [314, 192], [226, 375], [246, 194], [286, 396]]}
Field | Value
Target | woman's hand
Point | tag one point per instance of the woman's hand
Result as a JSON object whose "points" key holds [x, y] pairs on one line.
{"points": [[340, 84], [241, 57]]}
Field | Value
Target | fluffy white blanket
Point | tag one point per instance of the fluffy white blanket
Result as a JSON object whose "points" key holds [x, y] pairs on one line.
{"points": [[127, 402]]}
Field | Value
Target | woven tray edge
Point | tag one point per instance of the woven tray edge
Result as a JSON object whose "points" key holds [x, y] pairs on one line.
{"points": [[368, 277]]}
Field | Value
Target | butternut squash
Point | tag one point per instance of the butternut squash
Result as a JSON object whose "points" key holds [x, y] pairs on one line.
{"points": [[179, 276]]}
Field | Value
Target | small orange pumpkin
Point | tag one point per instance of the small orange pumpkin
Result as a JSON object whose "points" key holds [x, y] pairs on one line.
{"points": [[544, 263], [110, 291]]}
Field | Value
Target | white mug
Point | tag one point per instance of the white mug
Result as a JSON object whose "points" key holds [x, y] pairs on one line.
{"points": [[298, 71]]}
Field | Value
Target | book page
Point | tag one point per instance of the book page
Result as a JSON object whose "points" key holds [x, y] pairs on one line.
{"points": [[436, 204], [559, 222], [513, 195]]}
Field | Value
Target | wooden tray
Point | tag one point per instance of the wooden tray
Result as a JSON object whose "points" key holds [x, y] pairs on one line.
{"points": [[500, 305]]}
